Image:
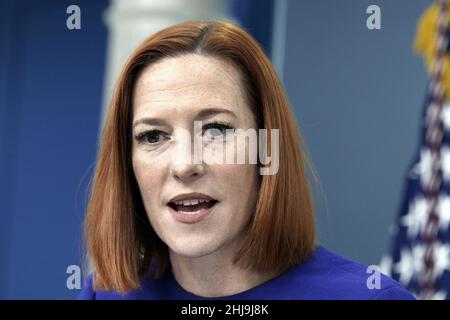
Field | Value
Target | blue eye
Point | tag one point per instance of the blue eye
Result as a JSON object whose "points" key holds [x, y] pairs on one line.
{"points": [[150, 136], [216, 129]]}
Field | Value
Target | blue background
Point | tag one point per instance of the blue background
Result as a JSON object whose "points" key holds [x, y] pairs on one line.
{"points": [[358, 96], [51, 82]]}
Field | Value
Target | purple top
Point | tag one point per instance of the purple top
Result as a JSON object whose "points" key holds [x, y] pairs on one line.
{"points": [[324, 275]]}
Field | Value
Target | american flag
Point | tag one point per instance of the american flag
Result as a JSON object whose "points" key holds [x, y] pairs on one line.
{"points": [[419, 256]]}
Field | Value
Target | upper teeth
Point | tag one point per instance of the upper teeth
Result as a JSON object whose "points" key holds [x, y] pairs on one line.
{"points": [[192, 202]]}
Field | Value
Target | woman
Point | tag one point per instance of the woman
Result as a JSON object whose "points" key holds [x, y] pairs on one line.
{"points": [[165, 222]]}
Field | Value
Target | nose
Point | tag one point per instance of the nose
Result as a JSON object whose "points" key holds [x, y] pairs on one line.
{"points": [[187, 172], [182, 165]]}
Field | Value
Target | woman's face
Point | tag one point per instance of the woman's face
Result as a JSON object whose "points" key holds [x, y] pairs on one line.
{"points": [[196, 209]]}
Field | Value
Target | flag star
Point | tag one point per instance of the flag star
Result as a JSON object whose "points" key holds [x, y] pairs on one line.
{"points": [[386, 265], [441, 259], [445, 162], [416, 218], [423, 167], [445, 115], [439, 295], [405, 267], [443, 211]]}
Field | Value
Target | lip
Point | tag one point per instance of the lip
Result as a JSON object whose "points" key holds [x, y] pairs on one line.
{"points": [[190, 196], [191, 218]]}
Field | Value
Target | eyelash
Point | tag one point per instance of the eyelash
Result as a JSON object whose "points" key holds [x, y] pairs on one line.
{"points": [[222, 126], [144, 134]]}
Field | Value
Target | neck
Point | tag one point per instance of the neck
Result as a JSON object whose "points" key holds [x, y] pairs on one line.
{"points": [[214, 275]]}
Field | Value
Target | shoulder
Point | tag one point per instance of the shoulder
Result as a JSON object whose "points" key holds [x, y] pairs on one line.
{"points": [[326, 275], [87, 292]]}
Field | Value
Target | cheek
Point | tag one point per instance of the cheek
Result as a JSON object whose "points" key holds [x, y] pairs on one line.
{"points": [[241, 184], [148, 175], [241, 190], [232, 150]]}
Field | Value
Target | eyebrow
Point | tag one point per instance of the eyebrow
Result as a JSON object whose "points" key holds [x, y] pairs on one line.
{"points": [[210, 112], [150, 121], [202, 115]]}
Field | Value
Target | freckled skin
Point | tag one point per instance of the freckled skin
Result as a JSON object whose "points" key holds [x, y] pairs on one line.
{"points": [[175, 90]]}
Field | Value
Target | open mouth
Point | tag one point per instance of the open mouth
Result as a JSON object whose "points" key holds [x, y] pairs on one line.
{"points": [[192, 205]]}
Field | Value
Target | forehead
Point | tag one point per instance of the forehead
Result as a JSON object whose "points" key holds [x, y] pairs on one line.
{"points": [[189, 81]]}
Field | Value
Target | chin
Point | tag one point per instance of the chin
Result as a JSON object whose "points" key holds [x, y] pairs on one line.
{"points": [[193, 249]]}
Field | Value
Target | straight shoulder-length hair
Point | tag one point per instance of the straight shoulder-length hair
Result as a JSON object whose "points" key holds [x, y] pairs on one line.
{"points": [[281, 232]]}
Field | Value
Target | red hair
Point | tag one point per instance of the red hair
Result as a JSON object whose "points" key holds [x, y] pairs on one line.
{"points": [[118, 234]]}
